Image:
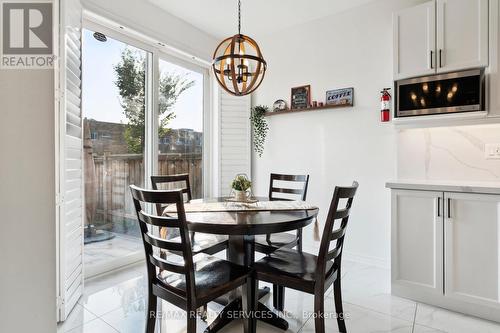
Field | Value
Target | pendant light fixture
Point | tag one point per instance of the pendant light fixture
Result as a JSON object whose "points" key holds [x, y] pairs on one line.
{"points": [[238, 64]]}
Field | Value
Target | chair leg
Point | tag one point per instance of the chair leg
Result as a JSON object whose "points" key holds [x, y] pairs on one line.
{"points": [[319, 313], [249, 302], [151, 316], [338, 305], [275, 296], [203, 310], [278, 297], [191, 322], [299, 240]]}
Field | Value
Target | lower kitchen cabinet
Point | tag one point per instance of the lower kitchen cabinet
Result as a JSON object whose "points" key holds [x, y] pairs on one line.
{"points": [[472, 248], [445, 250], [417, 240]]}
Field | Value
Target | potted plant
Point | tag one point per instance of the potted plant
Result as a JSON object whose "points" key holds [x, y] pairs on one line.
{"points": [[241, 186]]}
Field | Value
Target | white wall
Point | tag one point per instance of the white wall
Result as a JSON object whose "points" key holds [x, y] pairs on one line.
{"points": [[152, 21], [27, 202], [337, 146], [354, 49]]}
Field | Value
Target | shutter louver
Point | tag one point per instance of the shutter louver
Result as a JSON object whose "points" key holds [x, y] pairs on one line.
{"points": [[235, 139], [71, 161]]}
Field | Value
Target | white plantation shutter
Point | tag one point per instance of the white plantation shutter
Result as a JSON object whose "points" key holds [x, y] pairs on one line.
{"points": [[70, 269], [234, 140]]}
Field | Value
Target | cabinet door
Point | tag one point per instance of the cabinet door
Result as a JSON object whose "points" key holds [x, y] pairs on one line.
{"points": [[462, 34], [472, 224], [414, 41], [417, 240]]}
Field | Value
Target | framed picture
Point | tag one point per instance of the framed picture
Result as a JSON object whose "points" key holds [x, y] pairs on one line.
{"points": [[340, 96], [301, 97]]}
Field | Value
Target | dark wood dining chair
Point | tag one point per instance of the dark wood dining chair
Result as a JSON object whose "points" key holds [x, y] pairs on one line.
{"points": [[202, 243], [269, 243], [182, 279], [315, 274]]}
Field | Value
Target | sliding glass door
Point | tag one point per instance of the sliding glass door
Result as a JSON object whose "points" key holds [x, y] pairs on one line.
{"points": [[144, 114], [114, 109], [180, 122]]}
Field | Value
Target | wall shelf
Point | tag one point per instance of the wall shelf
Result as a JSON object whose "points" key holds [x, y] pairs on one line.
{"points": [[317, 108]]}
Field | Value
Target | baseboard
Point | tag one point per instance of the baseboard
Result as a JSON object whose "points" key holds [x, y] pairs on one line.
{"points": [[367, 260]]}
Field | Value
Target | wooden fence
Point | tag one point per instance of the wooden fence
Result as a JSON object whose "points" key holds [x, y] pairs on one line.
{"points": [[114, 174]]}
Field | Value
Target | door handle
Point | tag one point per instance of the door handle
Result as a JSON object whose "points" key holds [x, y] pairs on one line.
{"points": [[440, 58], [449, 208], [439, 206], [432, 56]]}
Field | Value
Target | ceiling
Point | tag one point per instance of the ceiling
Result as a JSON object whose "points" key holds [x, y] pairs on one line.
{"points": [[259, 17]]}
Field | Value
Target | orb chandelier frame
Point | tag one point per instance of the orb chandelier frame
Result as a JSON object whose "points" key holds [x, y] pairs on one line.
{"points": [[232, 63]]}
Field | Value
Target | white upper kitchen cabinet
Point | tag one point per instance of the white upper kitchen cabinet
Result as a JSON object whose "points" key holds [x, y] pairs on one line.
{"points": [[462, 34], [415, 41], [472, 225], [417, 242]]}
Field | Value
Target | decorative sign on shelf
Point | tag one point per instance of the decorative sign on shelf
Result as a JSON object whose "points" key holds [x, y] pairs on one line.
{"points": [[340, 96], [301, 97]]}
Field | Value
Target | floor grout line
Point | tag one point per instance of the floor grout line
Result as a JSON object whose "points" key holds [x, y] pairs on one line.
{"points": [[89, 322], [379, 312], [304, 324], [414, 318]]}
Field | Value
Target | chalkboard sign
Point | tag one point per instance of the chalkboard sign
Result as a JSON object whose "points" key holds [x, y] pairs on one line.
{"points": [[301, 97]]}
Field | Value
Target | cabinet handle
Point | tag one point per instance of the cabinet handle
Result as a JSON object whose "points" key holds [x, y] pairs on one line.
{"points": [[440, 58], [432, 56], [449, 208], [439, 206]]}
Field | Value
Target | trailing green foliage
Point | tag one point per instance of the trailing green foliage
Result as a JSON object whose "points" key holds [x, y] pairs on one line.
{"points": [[259, 128]]}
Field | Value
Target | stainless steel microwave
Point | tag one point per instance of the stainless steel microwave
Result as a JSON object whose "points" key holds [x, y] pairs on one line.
{"points": [[440, 94]]}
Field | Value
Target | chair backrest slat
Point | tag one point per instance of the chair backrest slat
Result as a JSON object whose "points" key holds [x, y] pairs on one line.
{"points": [[159, 221], [168, 179], [163, 244], [167, 266], [154, 243], [341, 213], [157, 181], [301, 192], [337, 235], [287, 190], [333, 254]]}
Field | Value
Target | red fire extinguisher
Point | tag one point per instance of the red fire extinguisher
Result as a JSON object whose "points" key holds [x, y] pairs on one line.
{"points": [[385, 105]]}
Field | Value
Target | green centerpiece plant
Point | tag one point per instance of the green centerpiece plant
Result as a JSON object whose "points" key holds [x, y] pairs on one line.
{"points": [[241, 186]]}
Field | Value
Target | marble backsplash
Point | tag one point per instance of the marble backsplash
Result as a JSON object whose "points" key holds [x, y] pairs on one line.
{"points": [[447, 153]]}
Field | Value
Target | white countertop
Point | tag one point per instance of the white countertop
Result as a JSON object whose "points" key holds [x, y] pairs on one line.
{"points": [[445, 186]]}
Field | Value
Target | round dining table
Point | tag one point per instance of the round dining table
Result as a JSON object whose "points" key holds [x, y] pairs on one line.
{"points": [[241, 227]]}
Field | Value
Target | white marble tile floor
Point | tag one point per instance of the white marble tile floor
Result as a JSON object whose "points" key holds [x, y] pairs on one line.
{"points": [[115, 302]]}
